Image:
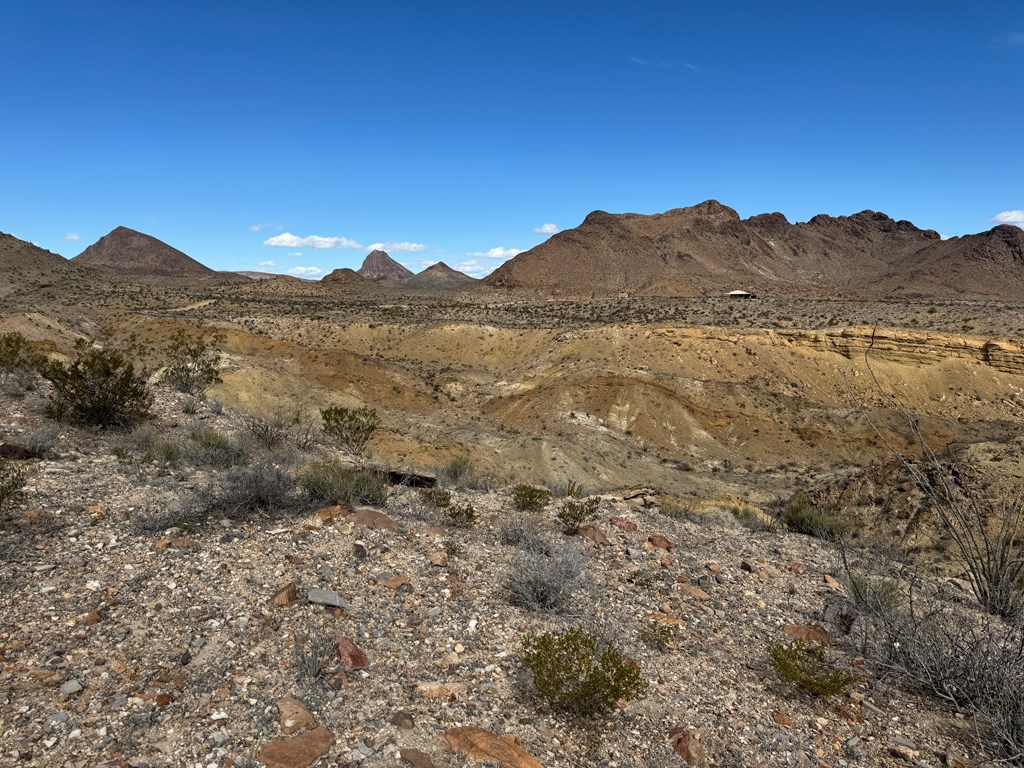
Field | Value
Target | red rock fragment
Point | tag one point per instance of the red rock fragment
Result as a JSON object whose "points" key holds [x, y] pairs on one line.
{"points": [[350, 654], [660, 542], [286, 595], [686, 744], [481, 745], [812, 634], [298, 751], [595, 534], [623, 523]]}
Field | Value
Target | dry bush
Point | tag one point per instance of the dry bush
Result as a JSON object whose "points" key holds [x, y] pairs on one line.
{"points": [[546, 583], [350, 427]]}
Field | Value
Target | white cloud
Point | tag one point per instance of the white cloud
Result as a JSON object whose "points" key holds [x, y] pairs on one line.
{"points": [[1009, 217], [393, 247], [258, 227], [474, 268], [72, 236], [546, 229], [496, 253], [305, 271], [420, 264], [267, 264], [295, 254], [316, 242]]}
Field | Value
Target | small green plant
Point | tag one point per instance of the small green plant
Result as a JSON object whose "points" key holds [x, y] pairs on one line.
{"points": [[437, 498], [801, 516], [880, 596], [658, 637], [350, 427], [572, 513], [193, 363], [12, 480], [806, 667], [326, 481], [579, 674], [573, 490], [462, 515], [16, 355], [100, 388], [530, 498], [209, 448]]}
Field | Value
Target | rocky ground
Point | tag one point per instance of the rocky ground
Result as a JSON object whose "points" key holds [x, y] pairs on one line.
{"points": [[386, 637]]}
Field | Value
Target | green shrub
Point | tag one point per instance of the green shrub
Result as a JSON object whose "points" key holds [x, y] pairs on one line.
{"points": [[438, 498], [579, 674], [12, 480], [463, 515], [209, 448], [16, 355], [574, 490], [193, 364], [806, 667], [659, 637], [530, 498], [879, 596], [329, 480], [271, 431], [350, 427], [100, 388], [572, 513], [801, 516]]}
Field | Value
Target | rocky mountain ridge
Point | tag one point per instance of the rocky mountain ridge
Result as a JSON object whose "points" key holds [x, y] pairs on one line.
{"points": [[127, 251]]}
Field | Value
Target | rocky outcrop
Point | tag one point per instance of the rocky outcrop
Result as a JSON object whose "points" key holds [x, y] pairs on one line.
{"points": [[378, 266], [129, 252]]}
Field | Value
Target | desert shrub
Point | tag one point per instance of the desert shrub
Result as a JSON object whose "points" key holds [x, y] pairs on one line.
{"points": [[436, 498], [876, 595], [579, 674], [462, 515], [806, 667], [328, 480], [801, 516], [572, 513], [148, 444], [100, 388], [260, 489], [271, 431], [350, 427], [455, 471], [17, 356], [12, 480], [209, 448], [40, 441], [193, 364], [658, 637], [546, 583], [525, 533], [530, 498]]}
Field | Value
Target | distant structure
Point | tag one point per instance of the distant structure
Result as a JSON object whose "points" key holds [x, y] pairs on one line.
{"points": [[741, 295]]}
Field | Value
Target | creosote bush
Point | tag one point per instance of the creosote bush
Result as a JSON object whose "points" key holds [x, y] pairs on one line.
{"points": [[350, 427], [579, 674], [530, 498], [805, 666], [572, 513], [12, 480], [99, 388], [462, 515], [193, 363], [436, 498], [16, 355], [328, 480]]}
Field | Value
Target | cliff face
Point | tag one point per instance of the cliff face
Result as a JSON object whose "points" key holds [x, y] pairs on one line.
{"points": [[707, 249]]}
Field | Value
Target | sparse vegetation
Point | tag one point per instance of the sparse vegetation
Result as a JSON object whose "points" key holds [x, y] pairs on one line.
{"points": [[16, 355], [261, 489], [530, 498], [210, 448], [100, 388], [455, 472], [546, 583], [327, 480], [805, 666], [352, 428], [802, 516], [579, 674], [462, 515], [436, 498], [573, 512], [193, 364], [525, 533]]}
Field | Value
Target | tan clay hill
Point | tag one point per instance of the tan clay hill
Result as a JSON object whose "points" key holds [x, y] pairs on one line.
{"points": [[379, 266], [708, 250], [129, 252], [343, 276], [440, 277]]}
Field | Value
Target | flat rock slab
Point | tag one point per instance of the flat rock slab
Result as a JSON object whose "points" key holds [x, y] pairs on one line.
{"points": [[294, 716], [374, 520], [298, 751], [327, 597], [478, 744]]}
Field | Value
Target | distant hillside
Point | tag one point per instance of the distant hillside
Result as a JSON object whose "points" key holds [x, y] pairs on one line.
{"points": [[379, 266], [23, 265], [129, 252], [253, 275], [708, 250], [440, 277], [343, 276]]}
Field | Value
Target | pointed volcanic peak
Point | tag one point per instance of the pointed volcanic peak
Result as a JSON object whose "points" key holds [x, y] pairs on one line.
{"points": [[441, 277], [129, 252], [378, 266], [343, 276]]}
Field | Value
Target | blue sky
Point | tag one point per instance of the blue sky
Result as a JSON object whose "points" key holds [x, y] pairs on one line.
{"points": [[466, 131]]}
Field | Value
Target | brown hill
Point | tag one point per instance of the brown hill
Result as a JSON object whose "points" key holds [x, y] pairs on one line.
{"points": [[440, 277], [24, 266], [343, 276], [708, 250], [134, 253], [379, 266]]}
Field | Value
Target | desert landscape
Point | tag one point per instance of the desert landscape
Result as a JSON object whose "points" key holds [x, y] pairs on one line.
{"points": [[349, 520]]}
